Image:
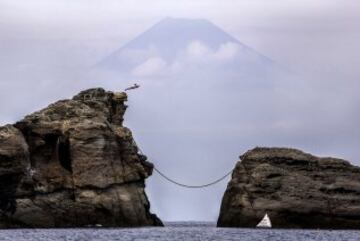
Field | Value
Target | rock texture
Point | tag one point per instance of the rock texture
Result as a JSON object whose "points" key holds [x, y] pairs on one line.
{"points": [[296, 189], [73, 164]]}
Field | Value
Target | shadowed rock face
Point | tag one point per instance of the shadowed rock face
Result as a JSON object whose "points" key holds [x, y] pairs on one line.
{"points": [[296, 189], [73, 164]]}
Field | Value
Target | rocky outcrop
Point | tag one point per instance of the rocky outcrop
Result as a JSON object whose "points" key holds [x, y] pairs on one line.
{"points": [[296, 189], [74, 164]]}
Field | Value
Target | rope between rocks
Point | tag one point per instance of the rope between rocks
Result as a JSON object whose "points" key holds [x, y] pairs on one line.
{"points": [[186, 185], [192, 186], [176, 182]]}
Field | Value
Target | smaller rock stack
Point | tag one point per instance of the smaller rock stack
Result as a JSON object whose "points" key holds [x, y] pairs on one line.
{"points": [[296, 190]]}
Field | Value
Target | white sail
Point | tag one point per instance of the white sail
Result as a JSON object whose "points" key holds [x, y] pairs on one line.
{"points": [[265, 222]]}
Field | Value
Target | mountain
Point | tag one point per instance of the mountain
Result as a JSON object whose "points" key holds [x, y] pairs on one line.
{"points": [[175, 44]]}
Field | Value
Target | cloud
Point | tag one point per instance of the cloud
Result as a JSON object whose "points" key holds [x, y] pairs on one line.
{"points": [[151, 67], [199, 52], [196, 53], [227, 51]]}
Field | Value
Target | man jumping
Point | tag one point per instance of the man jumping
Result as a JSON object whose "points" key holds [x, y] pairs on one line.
{"points": [[135, 86]]}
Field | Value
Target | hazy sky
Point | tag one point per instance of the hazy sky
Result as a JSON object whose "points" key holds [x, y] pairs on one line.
{"points": [[47, 45]]}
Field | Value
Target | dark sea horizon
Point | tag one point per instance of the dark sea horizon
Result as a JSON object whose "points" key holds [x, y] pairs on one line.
{"points": [[177, 231]]}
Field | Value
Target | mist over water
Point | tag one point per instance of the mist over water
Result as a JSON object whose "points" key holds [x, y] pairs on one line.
{"points": [[204, 100]]}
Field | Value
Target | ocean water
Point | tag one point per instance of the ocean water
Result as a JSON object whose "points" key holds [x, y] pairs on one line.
{"points": [[179, 231]]}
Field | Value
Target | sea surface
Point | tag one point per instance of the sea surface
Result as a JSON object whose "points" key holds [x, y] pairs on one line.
{"points": [[178, 231]]}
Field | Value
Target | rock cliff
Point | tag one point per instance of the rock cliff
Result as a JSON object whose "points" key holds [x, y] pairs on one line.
{"points": [[74, 164], [296, 189]]}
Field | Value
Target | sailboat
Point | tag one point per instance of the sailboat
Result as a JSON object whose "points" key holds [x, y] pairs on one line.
{"points": [[265, 222]]}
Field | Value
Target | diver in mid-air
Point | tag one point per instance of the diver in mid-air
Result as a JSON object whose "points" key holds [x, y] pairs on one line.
{"points": [[135, 86]]}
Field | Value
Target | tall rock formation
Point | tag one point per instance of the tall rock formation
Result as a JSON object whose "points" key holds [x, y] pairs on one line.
{"points": [[296, 190], [74, 164]]}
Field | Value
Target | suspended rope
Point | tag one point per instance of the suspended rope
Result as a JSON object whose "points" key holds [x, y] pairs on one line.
{"points": [[192, 186], [173, 181], [186, 185]]}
